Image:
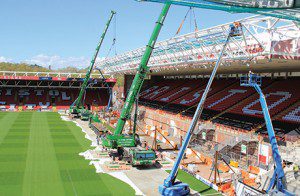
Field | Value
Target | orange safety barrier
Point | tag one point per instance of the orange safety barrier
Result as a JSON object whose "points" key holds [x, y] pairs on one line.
{"points": [[164, 132], [253, 170], [208, 161], [225, 186], [244, 174], [249, 181], [204, 158], [229, 192], [223, 168], [113, 121], [234, 164]]}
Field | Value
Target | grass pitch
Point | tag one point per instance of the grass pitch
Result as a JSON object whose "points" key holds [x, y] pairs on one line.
{"points": [[196, 184], [39, 156]]}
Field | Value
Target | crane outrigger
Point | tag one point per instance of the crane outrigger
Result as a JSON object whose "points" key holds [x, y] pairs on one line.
{"points": [[77, 109]]}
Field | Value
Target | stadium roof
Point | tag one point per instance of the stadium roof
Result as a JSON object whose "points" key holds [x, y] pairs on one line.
{"points": [[46, 74], [274, 8], [50, 80], [267, 43]]}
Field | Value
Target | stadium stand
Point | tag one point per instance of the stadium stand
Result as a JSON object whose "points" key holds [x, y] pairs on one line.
{"points": [[194, 97], [176, 93], [230, 96], [293, 115], [228, 103], [160, 89], [279, 96], [33, 99], [20, 91]]}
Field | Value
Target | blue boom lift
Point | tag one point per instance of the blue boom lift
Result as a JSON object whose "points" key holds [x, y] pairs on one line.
{"points": [[277, 184], [170, 186]]}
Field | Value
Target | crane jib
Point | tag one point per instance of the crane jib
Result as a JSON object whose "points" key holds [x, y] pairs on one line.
{"points": [[141, 72], [79, 101]]}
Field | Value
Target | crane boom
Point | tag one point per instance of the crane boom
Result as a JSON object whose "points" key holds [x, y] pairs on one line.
{"points": [[141, 72], [78, 103]]}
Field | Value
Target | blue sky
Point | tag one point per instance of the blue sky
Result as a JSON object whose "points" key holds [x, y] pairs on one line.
{"points": [[65, 32]]}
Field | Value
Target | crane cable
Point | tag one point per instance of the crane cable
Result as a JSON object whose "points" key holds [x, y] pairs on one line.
{"points": [[195, 20], [113, 45], [192, 12], [109, 51]]}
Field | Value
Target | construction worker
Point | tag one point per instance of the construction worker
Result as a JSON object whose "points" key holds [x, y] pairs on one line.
{"points": [[250, 77], [296, 170], [98, 139], [235, 29]]}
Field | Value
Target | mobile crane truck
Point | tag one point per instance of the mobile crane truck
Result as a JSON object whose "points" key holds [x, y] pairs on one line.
{"points": [[127, 146], [77, 109]]}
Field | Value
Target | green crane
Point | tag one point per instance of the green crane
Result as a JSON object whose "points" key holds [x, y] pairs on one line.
{"points": [[77, 108], [127, 144]]}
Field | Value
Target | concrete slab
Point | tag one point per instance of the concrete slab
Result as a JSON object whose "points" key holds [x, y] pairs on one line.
{"points": [[147, 180]]}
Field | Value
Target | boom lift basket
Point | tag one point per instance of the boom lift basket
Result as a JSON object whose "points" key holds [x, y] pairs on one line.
{"points": [[251, 80]]}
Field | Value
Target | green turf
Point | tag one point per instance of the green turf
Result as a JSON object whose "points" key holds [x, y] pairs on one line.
{"points": [[195, 184], [39, 156]]}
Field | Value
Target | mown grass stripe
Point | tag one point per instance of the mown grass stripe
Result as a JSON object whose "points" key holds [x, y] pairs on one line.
{"points": [[195, 184], [42, 175], [6, 123], [40, 156], [13, 152]]}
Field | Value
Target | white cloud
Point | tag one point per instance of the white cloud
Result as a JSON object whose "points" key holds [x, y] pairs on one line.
{"points": [[55, 61], [4, 59], [58, 61]]}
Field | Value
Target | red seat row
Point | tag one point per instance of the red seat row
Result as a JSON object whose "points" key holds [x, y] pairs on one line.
{"points": [[42, 97]]}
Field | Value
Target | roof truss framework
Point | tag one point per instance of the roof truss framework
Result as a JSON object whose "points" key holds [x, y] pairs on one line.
{"points": [[201, 48], [46, 74], [243, 6], [48, 84]]}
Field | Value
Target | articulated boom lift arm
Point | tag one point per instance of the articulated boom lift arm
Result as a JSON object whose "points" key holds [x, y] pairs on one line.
{"points": [[141, 72], [78, 103], [170, 187], [278, 179]]}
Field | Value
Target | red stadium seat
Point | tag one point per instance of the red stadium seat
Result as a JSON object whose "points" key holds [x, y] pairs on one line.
{"points": [[33, 99], [194, 96], [279, 96]]}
